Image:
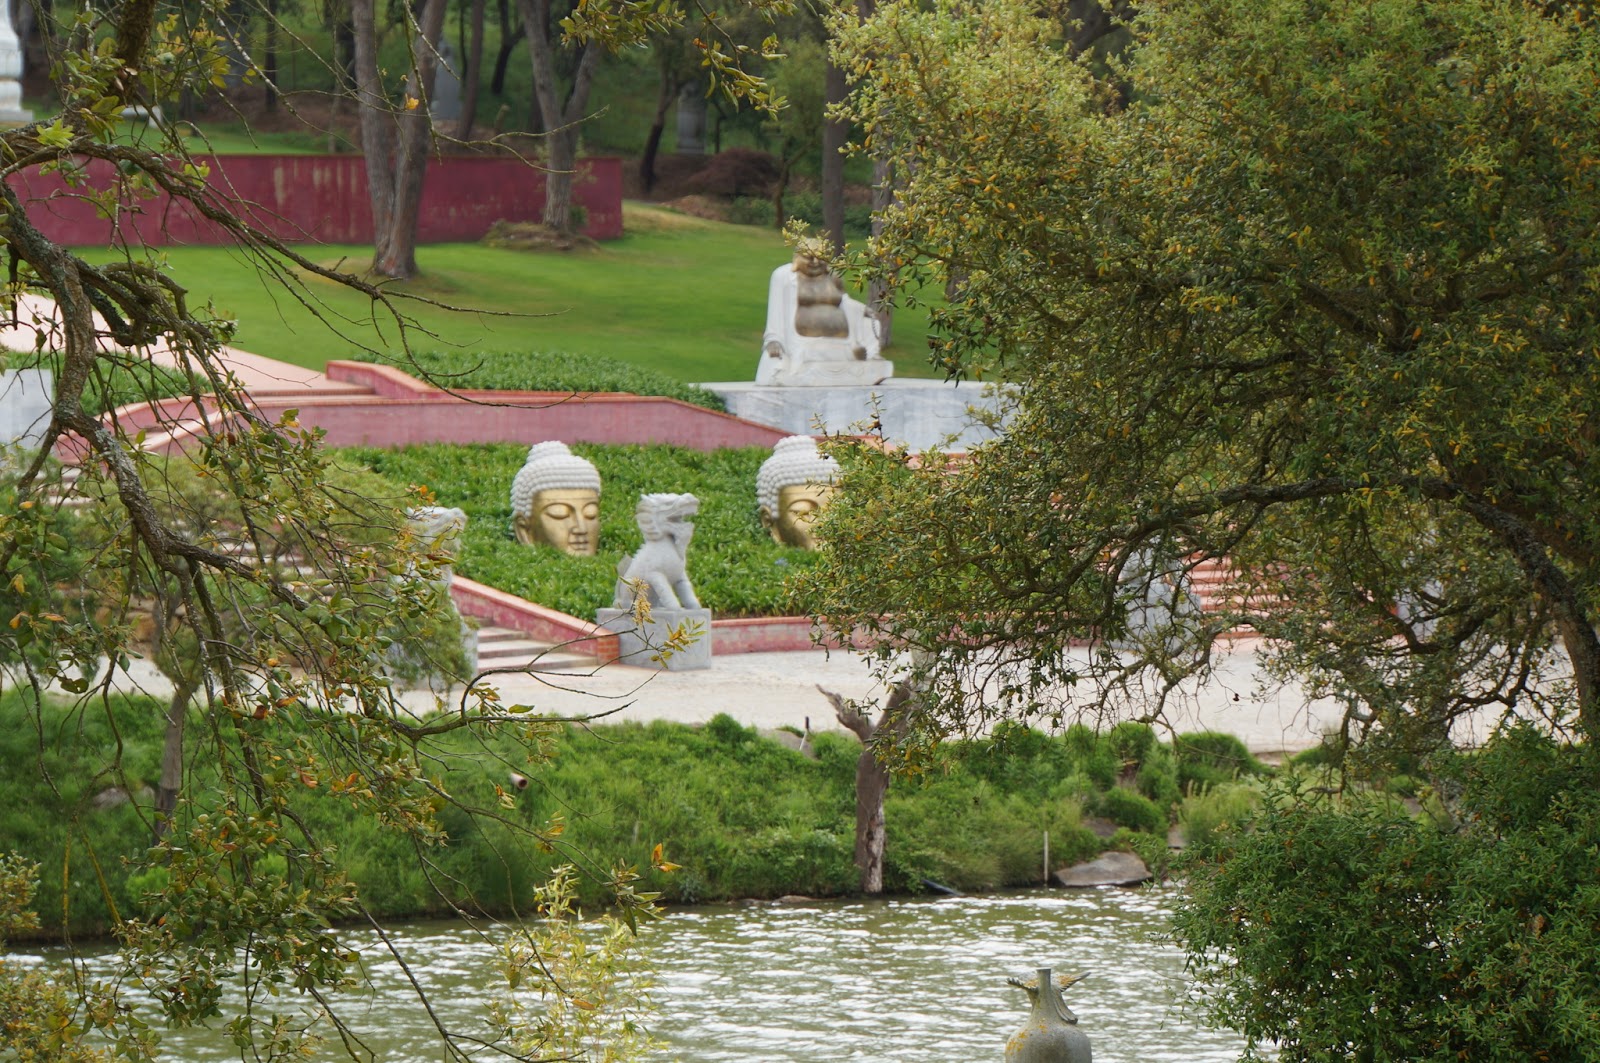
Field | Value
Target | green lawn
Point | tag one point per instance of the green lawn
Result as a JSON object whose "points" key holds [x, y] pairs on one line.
{"points": [[677, 294]]}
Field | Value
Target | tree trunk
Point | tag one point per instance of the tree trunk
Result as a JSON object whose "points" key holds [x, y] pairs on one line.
{"points": [[171, 784], [872, 783], [883, 191], [779, 187], [667, 91], [835, 132], [395, 177], [872, 778], [377, 135], [508, 43], [562, 137], [472, 74]]}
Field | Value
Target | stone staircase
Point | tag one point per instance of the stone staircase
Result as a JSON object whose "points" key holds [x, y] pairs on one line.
{"points": [[500, 647]]}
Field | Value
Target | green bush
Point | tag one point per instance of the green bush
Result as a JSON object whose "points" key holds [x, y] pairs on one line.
{"points": [[546, 371], [1474, 942], [736, 568], [1211, 818], [1093, 756], [1131, 742], [113, 384], [1210, 758], [743, 816], [1158, 777], [1130, 809]]}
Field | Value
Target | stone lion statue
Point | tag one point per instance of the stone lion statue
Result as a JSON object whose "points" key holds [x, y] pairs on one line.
{"points": [[659, 565]]}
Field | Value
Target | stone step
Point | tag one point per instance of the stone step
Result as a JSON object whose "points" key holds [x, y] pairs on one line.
{"points": [[500, 647]]}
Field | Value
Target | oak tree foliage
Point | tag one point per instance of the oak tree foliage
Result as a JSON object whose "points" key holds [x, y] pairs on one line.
{"points": [[1315, 304]]}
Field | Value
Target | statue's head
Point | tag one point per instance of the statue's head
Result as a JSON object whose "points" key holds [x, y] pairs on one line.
{"points": [[555, 500], [811, 256], [664, 516], [791, 489], [810, 265]]}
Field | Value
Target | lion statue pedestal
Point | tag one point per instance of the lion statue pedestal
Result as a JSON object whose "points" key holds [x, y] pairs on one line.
{"points": [[658, 574]]}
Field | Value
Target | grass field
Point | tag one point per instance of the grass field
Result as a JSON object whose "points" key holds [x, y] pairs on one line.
{"points": [[677, 294]]}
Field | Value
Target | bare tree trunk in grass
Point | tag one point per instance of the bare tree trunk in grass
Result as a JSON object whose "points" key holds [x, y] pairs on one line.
{"points": [[835, 132], [872, 778], [395, 141], [560, 119], [472, 74]]}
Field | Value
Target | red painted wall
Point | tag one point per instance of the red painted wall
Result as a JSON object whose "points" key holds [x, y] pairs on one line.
{"points": [[323, 198]]}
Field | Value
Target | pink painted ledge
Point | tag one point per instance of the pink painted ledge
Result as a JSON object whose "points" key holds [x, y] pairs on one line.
{"points": [[767, 634], [483, 602]]}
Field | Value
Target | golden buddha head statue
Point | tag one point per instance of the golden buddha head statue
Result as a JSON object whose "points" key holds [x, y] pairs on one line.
{"points": [[792, 488], [555, 500]]}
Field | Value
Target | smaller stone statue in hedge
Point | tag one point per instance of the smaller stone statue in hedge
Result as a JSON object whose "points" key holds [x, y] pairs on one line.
{"points": [[660, 568]]}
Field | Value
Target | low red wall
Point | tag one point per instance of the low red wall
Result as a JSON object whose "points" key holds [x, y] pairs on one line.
{"points": [[322, 198], [483, 602], [770, 634], [765, 634]]}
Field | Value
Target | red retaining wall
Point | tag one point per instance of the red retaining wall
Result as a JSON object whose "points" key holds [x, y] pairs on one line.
{"points": [[363, 421], [478, 600], [770, 634], [323, 198]]}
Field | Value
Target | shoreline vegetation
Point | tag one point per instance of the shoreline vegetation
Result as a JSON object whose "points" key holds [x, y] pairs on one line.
{"points": [[971, 818]]}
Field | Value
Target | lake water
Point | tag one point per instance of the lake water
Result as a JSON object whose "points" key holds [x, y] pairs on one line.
{"points": [[895, 980]]}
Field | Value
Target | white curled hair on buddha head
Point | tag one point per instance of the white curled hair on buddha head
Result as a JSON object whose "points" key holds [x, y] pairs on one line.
{"points": [[551, 466], [795, 462]]}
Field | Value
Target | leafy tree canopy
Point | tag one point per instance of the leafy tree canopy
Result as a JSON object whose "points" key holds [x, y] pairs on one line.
{"points": [[280, 595], [1318, 302]]}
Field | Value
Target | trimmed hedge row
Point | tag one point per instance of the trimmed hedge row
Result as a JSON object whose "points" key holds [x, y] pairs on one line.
{"points": [[736, 568], [545, 371]]}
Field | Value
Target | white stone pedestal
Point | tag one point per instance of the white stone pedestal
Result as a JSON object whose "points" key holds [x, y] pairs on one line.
{"points": [[640, 645], [917, 413], [25, 406]]}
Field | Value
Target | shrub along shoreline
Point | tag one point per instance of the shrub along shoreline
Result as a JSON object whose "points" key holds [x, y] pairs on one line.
{"points": [[973, 820]]}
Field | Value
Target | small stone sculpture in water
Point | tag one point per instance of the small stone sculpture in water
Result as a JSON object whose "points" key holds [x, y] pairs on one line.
{"points": [[791, 489], [660, 565], [1051, 1034], [555, 500], [816, 334]]}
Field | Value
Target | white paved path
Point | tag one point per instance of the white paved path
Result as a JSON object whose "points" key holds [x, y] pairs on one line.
{"points": [[771, 690]]}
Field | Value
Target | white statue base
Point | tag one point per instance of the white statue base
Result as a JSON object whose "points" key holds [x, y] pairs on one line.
{"points": [[641, 645], [918, 414], [821, 363]]}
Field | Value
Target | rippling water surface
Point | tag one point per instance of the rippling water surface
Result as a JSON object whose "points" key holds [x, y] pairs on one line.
{"points": [[911, 980]]}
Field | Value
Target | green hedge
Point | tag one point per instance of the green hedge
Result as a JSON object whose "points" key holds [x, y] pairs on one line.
{"points": [[736, 568], [545, 371], [112, 384]]}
